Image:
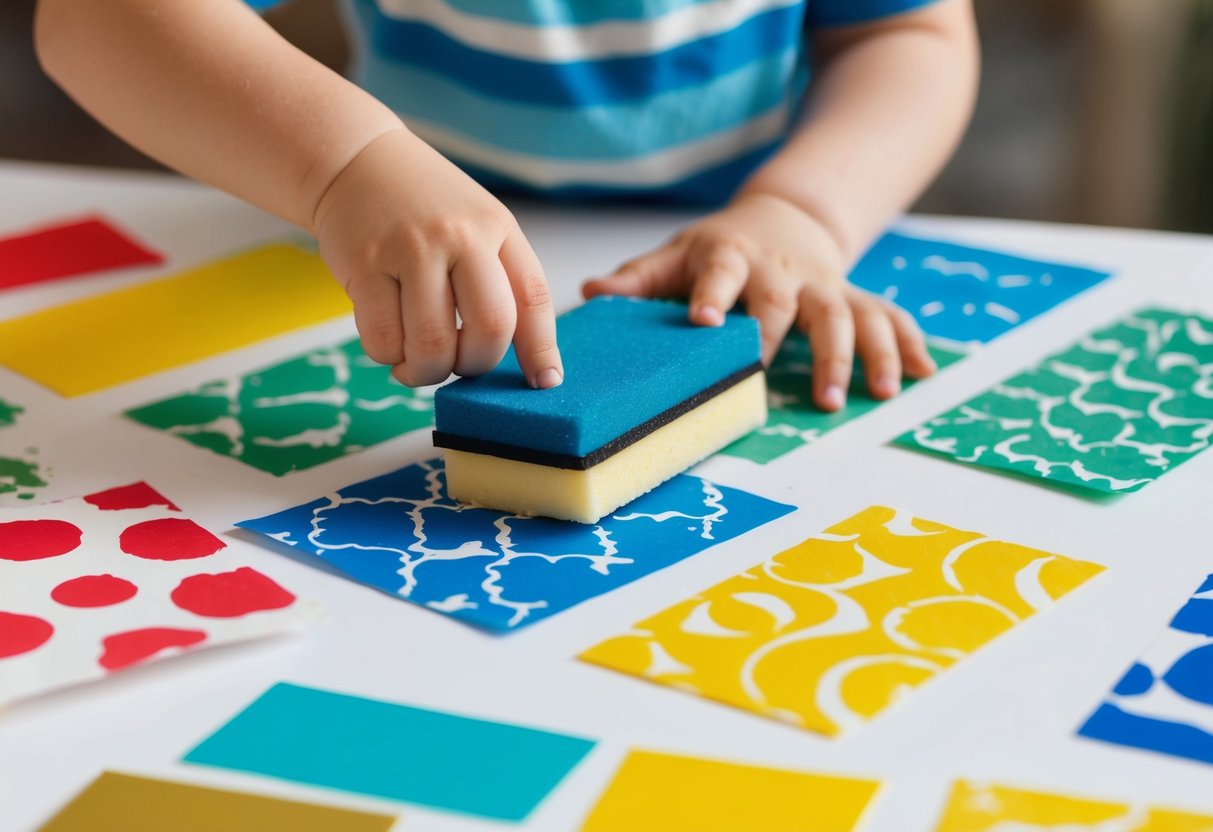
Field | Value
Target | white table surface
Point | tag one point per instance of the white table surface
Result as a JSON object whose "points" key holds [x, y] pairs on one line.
{"points": [[1008, 714]]}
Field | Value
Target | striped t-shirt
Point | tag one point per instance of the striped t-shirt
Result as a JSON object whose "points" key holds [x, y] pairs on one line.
{"points": [[665, 99]]}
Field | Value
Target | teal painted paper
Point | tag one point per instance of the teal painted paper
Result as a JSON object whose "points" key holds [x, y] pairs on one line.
{"points": [[1110, 414], [303, 412], [793, 419], [379, 748]]}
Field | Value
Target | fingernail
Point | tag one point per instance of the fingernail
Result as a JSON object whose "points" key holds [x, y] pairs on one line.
{"points": [[546, 379], [708, 315], [833, 397], [888, 385]]}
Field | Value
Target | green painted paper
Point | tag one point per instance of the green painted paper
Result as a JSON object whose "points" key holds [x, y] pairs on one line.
{"points": [[20, 477], [8, 413], [303, 412], [793, 420], [1111, 413]]}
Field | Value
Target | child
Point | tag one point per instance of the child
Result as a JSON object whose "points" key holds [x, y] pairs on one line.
{"points": [[693, 100]]}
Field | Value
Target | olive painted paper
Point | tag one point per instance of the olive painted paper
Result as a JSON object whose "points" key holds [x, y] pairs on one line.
{"points": [[303, 412], [1110, 414]]}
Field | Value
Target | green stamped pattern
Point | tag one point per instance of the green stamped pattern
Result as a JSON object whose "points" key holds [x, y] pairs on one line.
{"points": [[1110, 414], [303, 412], [793, 420]]}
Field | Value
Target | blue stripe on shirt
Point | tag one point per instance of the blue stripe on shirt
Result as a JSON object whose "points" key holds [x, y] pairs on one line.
{"points": [[620, 131], [709, 187], [848, 12], [587, 83], [569, 12]]}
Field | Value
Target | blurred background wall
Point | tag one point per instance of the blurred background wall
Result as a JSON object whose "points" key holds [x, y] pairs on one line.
{"points": [[1091, 111]]}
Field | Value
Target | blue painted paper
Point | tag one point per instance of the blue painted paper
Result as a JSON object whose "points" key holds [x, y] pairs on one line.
{"points": [[387, 750], [400, 533], [966, 294], [1164, 702]]}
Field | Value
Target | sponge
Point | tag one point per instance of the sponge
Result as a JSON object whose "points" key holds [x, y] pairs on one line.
{"points": [[646, 394]]}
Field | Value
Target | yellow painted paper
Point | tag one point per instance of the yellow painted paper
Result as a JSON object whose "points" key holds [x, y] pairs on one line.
{"points": [[829, 633], [125, 803], [91, 344], [986, 808], [688, 794]]}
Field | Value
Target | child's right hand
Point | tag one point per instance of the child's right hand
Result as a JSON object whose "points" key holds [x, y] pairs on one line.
{"points": [[413, 239]]}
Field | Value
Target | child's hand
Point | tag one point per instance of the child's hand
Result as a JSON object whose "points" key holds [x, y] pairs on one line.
{"points": [[413, 239], [788, 270]]}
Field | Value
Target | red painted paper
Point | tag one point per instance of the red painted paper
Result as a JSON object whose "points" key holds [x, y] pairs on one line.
{"points": [[68, 249]]}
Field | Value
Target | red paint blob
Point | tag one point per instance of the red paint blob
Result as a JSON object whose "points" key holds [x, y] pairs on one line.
{"points": [[125, 649], [136, 495], [230, 594], [37, 539], [170, 538], [22, 633], [94, 591]]}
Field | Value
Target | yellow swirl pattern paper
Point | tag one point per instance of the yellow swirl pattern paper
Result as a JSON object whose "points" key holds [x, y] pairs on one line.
{"points": [[831, 632], [987, 808]]}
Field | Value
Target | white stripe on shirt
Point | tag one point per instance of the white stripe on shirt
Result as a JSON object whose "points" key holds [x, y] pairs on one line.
{"points": [[552, 44]]}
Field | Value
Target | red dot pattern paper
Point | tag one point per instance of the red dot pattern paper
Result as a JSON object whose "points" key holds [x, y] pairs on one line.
{"points": [[120, 578], [67, 249]]}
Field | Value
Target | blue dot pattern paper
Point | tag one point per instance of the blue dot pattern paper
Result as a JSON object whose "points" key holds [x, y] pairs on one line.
{"points": [[388, 750], [400, 533], [964, 294], [1165, 701]]}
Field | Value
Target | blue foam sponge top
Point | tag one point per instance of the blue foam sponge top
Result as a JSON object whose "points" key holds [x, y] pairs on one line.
{"points": [[626, 360]]}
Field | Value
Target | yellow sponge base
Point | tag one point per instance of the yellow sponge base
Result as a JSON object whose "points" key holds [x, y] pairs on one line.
{"points": [[586, 496]]}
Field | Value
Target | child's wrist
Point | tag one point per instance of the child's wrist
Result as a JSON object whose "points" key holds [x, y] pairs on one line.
{"points": [[321, 202], [824, 223]]}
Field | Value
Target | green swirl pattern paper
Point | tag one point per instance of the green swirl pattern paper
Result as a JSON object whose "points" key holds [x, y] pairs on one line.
{"points": [[1110, 414], [793, 419], [312, 409]]}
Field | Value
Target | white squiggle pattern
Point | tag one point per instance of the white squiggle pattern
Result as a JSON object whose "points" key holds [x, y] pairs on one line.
{"points": [[830, 632], [1111, 414], [403, 535], [302, 412]]}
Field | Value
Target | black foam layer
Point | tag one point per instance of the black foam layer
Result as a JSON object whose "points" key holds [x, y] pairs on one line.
{"points": [[518, 453]]}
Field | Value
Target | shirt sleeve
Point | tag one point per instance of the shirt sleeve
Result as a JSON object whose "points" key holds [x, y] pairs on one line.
{"points": [[848, 12]]}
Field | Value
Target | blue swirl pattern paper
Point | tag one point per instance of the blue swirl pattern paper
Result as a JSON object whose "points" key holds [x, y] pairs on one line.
{"points": [[1165, 702], [965, 294], [400, 533]]}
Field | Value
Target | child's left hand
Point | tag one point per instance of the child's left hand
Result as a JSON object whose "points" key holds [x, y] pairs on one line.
{"points": [[788, 270]]}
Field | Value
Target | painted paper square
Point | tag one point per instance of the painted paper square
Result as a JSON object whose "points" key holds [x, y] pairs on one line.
{"points": [[118, 578], [384, 749], [673, 793], [793, 420], [1164, 702], [400, 533], [127, 803], [299, 413], [991, 808], [966, 294], [1110, 414], [95, 343], [67, 249], [828, 634]]}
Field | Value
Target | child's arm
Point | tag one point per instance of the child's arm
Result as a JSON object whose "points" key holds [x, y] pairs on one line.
{"points": [[211, 90], [888, 104]]}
